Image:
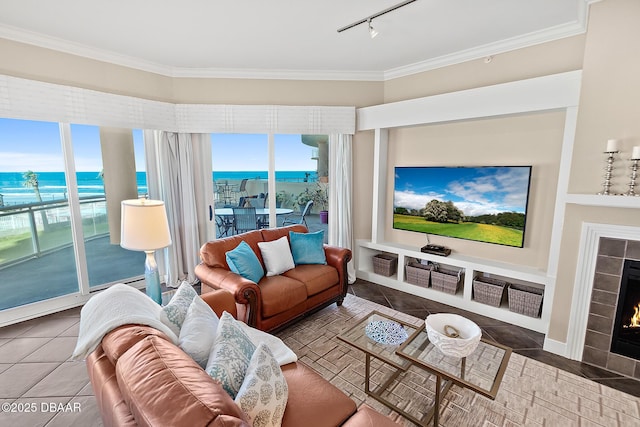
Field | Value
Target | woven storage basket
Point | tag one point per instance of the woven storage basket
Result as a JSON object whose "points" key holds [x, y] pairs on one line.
{"points": [[418, 274], [525, 299], [488, 290], [385, 264], [446, 280]]}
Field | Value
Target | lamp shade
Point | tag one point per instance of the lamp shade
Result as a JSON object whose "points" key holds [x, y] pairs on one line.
{"points": [[144, 225]]}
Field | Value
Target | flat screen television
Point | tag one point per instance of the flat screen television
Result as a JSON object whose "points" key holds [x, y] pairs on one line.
{"points": [[484, 204]]}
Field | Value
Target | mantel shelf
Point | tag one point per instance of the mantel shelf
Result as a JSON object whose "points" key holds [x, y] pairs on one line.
{"points": [[630, 202]]}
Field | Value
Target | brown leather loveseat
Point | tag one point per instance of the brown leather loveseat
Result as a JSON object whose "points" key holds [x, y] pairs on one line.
{"points": [[275, 300], [141, 379]]}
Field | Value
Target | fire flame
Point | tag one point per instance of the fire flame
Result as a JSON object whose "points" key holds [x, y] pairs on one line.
{"points": [[635, 319]]}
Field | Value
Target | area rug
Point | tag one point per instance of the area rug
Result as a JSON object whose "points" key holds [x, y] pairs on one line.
{"points": [[532, 393]]}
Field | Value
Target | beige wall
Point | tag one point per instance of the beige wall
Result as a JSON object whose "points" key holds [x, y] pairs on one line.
{"points": [[609, 108], [26, 61], [548, 58], [534, 139], [36, 63], [277, 92]]}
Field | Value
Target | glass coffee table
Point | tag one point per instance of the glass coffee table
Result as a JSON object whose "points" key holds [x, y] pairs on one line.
{"points": [[481, 371]]}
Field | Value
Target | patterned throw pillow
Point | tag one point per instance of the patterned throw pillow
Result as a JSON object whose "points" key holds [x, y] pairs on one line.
{"points": [[264, 392], [198, 331], [173, 314], [230, 355]]}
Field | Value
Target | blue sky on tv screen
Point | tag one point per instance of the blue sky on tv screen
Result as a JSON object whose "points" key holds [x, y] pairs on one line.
{"points": [[473, 190]]}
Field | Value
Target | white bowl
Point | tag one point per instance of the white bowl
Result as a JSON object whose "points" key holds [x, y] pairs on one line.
{"points": [[442, 324]]}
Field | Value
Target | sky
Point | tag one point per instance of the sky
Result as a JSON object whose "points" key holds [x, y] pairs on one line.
{"points": [[32, 145], [475, 191]]}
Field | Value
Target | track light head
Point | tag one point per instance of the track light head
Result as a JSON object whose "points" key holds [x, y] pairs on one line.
{"points": [[372, 31]]}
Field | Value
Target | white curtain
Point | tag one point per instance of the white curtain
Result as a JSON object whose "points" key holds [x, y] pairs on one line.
{"points": [[341, 194], [176, 169]]}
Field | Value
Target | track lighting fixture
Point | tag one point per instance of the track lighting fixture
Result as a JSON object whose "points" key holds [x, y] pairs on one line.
{"points": [[372, 31], [368, 19]]}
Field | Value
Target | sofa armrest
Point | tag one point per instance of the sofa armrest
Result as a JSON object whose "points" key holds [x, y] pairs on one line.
{"points": [[245, 292], [338, 258], [221, 300]]}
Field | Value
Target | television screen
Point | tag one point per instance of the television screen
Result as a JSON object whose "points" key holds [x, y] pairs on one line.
{"points": [[485, 204]]}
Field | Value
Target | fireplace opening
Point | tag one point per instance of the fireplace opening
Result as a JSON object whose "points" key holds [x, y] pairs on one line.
{"points": [[626, 328]]}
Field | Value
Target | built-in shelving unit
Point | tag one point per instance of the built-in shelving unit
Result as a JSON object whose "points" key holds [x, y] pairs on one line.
{"points": [[554, 92], [462, 299]]}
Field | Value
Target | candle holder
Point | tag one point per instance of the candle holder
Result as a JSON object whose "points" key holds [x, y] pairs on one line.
{"points": [[633, 177], [606, 185]]}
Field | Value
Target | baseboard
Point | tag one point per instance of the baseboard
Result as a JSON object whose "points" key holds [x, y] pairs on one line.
{"points": [[556, 347]]}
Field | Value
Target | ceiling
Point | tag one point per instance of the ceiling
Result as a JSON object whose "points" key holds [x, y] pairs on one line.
{"points": [[286, 38]]}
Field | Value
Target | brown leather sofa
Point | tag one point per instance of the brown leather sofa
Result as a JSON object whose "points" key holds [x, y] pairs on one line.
{"points": [[141, 379], [276, 300]]}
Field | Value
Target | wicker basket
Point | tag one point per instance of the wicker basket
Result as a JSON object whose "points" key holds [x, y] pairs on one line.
{"points": [[446, 280], [418, 274], [385, 264], [488, 290], [525, 299]]}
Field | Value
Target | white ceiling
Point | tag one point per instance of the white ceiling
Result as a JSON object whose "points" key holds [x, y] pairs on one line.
{"points": [[287, 38]]}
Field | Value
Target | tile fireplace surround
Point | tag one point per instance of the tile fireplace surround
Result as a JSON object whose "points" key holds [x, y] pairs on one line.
{"points": [[602, 311]]}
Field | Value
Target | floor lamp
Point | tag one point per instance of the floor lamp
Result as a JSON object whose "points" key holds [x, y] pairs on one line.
{"points": [[144, 227]]}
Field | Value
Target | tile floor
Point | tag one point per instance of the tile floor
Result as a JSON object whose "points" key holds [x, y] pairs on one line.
{"points": [[40, 386]]}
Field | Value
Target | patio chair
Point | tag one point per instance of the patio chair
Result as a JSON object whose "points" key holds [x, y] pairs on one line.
{"points": [[244, 219], [242, 191], [223, 225], [298, 218]]}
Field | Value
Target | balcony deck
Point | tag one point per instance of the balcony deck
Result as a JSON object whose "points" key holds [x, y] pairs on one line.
{"points": [[55, 273]]}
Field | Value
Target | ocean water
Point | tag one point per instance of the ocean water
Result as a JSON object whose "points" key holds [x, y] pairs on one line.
{"points": [[52, 185]]}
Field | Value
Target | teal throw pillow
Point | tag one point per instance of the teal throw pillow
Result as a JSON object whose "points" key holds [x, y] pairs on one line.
{"points": [[243, 261], [307, 248]]}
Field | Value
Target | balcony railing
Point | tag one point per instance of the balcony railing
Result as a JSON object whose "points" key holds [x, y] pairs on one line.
{"points": [[33, 229]]}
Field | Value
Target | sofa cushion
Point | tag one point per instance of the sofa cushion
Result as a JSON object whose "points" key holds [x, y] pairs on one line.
{"points": [[198, 331], [309, 397], [276, 255], [315, 277], [280, 293], [307, 248], [173, 314], [230, 355], [263, 394], [163, 386], [243, 261]]}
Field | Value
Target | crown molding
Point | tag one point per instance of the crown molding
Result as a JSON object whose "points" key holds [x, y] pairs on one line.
{"points": [[238, 73], [57, 44], [490, 49], [60, 45]]}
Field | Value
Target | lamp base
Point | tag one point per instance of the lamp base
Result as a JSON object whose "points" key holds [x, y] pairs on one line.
{"points": [[152, 278]]}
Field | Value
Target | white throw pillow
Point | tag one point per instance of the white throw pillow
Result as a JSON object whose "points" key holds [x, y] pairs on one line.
{"points": [[198, 331], [173, 314], [230, 355], [264, 392], [277, 256]]}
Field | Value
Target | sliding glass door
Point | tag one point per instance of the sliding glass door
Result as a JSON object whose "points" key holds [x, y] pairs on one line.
{"points": [[107, 262], [293, 166], [42, 264], [36, 250]]}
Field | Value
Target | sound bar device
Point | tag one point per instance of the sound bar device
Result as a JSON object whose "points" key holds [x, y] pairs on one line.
{"points": [[436, 250]]}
